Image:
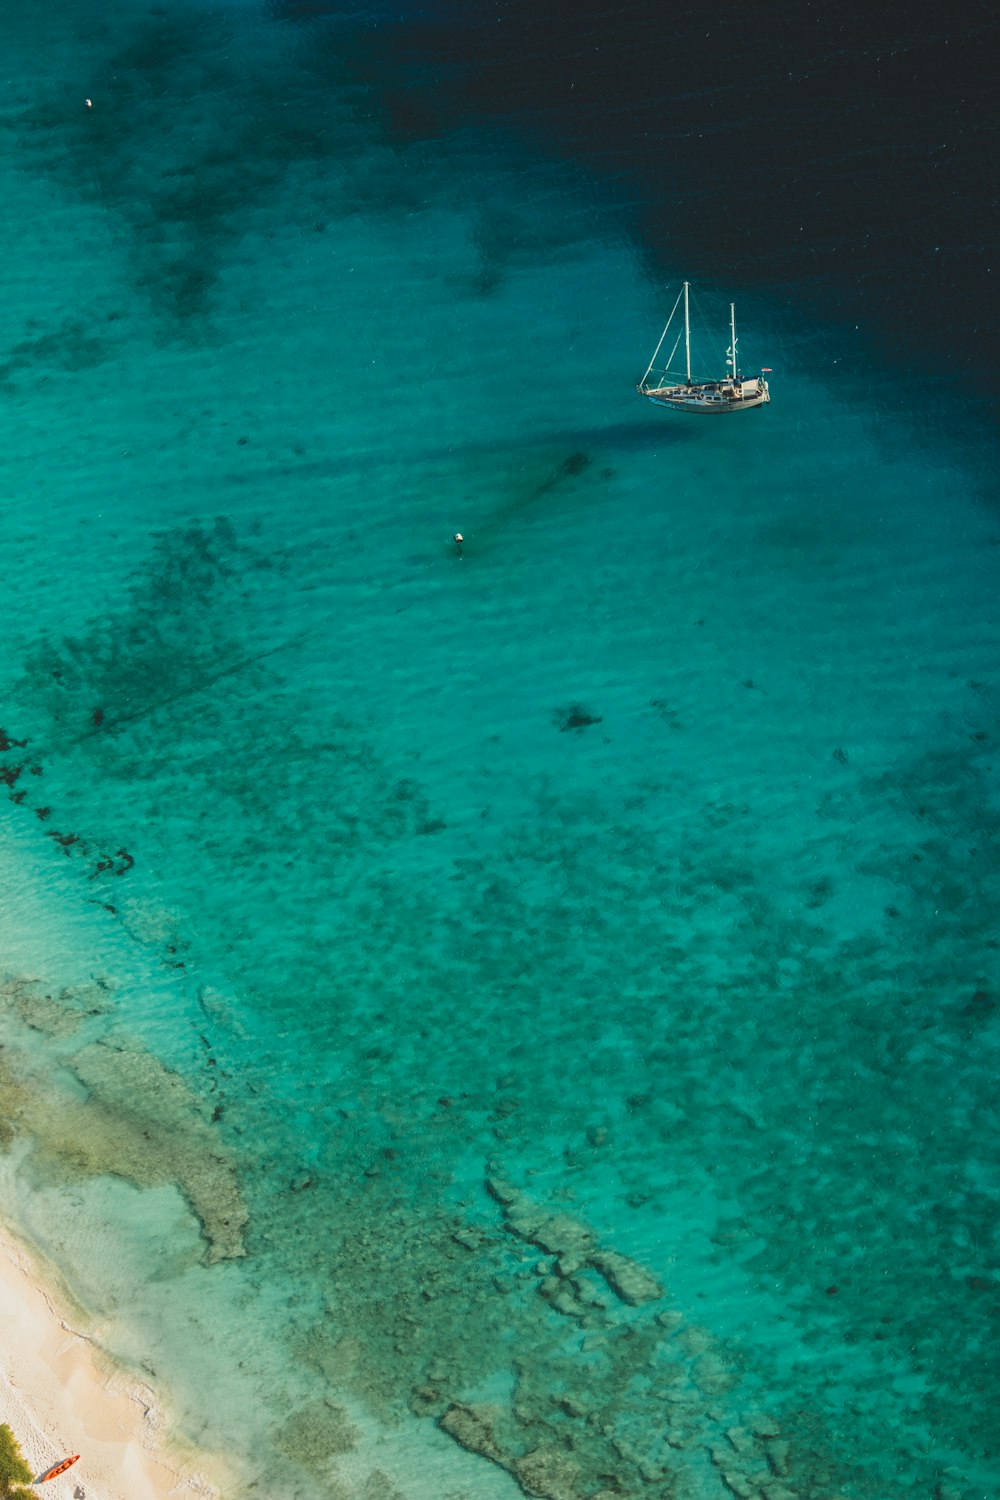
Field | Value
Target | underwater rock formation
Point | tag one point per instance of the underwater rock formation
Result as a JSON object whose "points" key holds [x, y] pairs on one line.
{"points": [[574, 1244], [472, 1428], [138, 1121], [55, 1015], [166, 1138], [630, 1282], [546, 1473], [316, 1434], [619, 1401]]}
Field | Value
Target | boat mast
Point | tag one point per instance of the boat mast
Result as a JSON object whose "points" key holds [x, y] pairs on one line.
{"points": [[732, 336], [687, 333]]}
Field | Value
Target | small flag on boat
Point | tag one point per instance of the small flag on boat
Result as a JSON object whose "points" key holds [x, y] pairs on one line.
{"points": [[58, 1469]]}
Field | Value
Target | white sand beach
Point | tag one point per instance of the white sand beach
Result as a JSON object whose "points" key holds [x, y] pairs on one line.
{"points": [[60, 1396]]}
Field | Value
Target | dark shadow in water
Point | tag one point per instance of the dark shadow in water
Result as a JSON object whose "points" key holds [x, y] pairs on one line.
{"points": [[71, 347], [654, 433], [190, 133], [835, 155], [184, 142], [836, 152]]}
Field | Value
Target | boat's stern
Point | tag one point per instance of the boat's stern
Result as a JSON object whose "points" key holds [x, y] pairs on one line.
{"points": [[754, 391]]}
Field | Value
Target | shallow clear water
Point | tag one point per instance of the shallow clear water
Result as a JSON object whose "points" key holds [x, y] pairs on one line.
{"points": [[640, 862]]}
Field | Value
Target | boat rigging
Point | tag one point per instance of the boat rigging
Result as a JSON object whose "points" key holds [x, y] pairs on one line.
{"points": [[730, 392]]}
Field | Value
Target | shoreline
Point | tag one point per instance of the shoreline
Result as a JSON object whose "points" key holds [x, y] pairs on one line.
{"points": [[60, 1394]]}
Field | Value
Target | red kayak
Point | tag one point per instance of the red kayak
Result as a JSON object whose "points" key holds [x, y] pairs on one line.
{"points": [[58, 1469]]}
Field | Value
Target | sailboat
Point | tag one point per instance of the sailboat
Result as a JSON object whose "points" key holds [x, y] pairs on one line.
{"points": [[730, 393]]}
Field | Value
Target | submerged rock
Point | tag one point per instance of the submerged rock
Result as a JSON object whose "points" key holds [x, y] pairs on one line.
{"points": [[739, 1484], [426, 1401], [222, 1011], [711, 1376], [574, 1244], [472, 1427], [548, 1474], [57, 1014], [563, 1296], [316, 1434], [545, 1472], [558, 1235], [778, 1456], [501, 1190], [629, 1281]]}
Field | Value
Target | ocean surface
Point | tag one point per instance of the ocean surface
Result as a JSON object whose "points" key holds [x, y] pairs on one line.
{"points": [[526, 1019]]}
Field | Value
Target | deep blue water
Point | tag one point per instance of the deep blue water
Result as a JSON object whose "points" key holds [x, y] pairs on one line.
{"points": [[392, 938], [835, 154]]}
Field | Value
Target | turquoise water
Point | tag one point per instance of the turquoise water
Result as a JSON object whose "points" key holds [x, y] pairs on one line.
{"points": [[390, 935]]}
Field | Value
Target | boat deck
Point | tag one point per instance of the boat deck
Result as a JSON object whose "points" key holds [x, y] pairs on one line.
{"points": [[710, 396]]}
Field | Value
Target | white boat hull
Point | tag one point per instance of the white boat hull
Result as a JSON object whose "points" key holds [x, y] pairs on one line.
{"points": [[712, 398]]}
